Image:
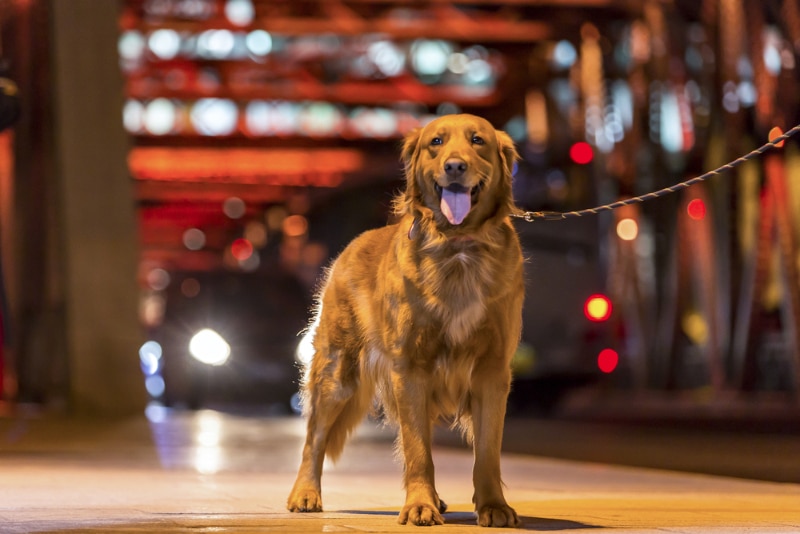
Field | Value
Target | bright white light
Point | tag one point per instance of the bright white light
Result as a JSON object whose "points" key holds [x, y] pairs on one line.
{"points": [[208, 460], [389, 59], [240, 12], [164, 43], [478, 71], [259, 42], [215, 44], [214, 116], [256, 117], [131, 45], [209, 347], [208, 456], [671, 127], [160, 116], [210, 432], [429, 58], [133, 116], [305, 349]]}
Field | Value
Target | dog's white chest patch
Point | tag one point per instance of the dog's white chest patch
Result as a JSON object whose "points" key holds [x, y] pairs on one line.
{"points": [[461, 323]]}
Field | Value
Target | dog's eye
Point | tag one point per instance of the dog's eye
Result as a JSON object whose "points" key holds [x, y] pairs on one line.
{"points": [[477, 140], [436, 141]]}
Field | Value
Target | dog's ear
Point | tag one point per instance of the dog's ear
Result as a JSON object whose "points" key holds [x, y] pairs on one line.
{"points": [[409, 152], [508, 152], [508, 157], [404, 203]]}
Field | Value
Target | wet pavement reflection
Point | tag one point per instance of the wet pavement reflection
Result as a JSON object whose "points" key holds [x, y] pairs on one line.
{"points": [[208, 471]]}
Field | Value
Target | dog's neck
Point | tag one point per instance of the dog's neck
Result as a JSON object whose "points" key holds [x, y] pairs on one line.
{"points": [[414, 231]]}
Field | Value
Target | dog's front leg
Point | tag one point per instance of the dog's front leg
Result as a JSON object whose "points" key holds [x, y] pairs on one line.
{"points": [[488, 406], [412, 401]]}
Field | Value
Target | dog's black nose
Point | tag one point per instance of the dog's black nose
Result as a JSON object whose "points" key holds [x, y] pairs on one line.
{"points": [[455, 167]]}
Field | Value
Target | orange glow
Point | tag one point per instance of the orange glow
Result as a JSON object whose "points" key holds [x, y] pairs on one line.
{"points": [[292, 167], [295, 226], [774, 134], [597, 308]]}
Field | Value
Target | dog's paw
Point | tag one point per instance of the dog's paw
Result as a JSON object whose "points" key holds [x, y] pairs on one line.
{"points": [[304, 500], [419, 514], [497, 515]]}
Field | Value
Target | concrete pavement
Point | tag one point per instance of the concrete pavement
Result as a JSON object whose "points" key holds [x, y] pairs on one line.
{"points": [[211, 472]]}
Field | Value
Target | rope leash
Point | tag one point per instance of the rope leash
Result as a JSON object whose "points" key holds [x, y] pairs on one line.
{"points": [[531, 216]]}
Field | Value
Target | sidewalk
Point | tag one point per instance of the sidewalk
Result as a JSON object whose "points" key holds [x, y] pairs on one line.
{"points": [[210, 472]]}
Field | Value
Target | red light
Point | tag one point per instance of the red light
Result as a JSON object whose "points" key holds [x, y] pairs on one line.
{"points": [[581, 153], [241, 249], [696, 209], [597, 308], [607, 360]]}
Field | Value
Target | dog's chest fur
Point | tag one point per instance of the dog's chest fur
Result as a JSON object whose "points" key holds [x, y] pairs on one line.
{"points": [[456, 294], [456, 284]]}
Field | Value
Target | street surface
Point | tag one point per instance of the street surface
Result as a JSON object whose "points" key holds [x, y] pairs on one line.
{"points": [[211, 472]]}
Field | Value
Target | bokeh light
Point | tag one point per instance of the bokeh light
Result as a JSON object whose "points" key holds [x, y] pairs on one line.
{"points": [[241, 249], [696, 209], [208, 347], [597, 308], [607, 360], [627, 229], [581, 153]]}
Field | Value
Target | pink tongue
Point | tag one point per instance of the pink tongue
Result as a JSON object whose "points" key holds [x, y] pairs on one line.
{"points": [[455, 206]]}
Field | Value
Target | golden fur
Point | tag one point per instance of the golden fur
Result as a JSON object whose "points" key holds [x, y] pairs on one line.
{"points": [[424, 316]]}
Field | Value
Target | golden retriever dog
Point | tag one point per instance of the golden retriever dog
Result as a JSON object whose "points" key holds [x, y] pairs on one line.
{"points": [[424, 316]]}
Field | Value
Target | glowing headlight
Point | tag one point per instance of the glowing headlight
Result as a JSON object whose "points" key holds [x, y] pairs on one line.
{"points": [[209, 347]]}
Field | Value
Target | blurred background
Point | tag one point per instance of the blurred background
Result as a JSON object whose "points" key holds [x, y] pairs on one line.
{"points": [[181, 172]]}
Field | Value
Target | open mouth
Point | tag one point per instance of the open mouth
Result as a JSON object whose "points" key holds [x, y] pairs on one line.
{"points": [[456, 201]]}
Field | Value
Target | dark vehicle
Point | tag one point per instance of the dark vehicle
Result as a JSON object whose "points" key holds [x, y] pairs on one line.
{"points": [[568, 340], [254, 317]]}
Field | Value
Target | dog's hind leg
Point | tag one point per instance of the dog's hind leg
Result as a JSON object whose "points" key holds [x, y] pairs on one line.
{"points": [[334, 409]]}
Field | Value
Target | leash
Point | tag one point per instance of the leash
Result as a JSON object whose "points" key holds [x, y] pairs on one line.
{"points": [[531, 216]]}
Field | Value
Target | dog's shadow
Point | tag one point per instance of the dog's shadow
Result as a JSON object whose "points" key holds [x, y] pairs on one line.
{"points": [[536, 524]]}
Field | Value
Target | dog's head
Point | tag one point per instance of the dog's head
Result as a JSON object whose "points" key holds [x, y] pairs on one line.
{"points": [[458, 173]]}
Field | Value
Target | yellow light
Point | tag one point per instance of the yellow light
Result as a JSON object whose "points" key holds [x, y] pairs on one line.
{"points": [[695, 327], [627, 229], [597, 308]]}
